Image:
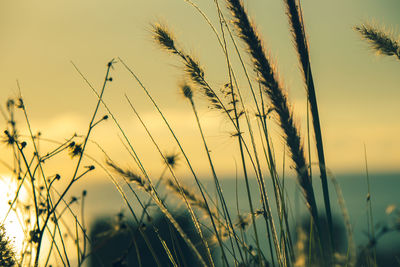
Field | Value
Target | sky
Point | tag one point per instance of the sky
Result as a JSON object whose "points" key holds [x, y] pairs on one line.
{"points": [[357, 91]]}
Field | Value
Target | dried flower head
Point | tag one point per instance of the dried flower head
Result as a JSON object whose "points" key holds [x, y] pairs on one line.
{"points": [[171, 159], [10, 138], [75, 149]]}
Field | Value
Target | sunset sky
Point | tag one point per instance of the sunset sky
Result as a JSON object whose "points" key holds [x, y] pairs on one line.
{"points": [[358, 92]]}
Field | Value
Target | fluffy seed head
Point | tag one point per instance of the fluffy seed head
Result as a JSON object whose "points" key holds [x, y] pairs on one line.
{"points": [[381, 41], [163, 37]]}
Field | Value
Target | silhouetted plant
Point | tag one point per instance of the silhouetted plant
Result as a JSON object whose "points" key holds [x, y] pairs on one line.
{"points": [[7, 254], [380, 40]]}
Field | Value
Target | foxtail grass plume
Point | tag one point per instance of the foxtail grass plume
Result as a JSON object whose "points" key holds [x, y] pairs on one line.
{"points": [[164, 38], [380, 41], [129, 176], [277, 95], [190, 195], [194, 199], [192, 66]]}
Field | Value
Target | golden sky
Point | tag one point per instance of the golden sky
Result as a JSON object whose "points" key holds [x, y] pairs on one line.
{"points": [[358, 92]]}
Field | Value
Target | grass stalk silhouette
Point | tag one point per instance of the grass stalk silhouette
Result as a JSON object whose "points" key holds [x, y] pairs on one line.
{"points": [[196, 73], [192, 214], [75, 176], [30, 169], [135, 156], [293, 10], [278, 98], [187, 92]]}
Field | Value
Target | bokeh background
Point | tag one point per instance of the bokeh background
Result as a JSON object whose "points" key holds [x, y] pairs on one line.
{"points": [[358, 92]]}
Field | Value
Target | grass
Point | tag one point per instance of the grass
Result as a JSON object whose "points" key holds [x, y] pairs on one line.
{"points": [[216, 235]]}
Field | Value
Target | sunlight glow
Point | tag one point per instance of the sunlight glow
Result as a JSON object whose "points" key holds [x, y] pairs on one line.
{"points": [[14, 220]]}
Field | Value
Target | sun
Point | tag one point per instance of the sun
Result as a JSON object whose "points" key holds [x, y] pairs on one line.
{"points": [[14, 219]]}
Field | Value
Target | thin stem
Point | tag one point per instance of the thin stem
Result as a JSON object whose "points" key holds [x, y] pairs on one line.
{"points": [[219, 191], [73, 179]]}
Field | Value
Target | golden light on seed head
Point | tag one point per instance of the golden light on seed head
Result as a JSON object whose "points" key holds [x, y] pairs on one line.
{"points": [[13, 217]]}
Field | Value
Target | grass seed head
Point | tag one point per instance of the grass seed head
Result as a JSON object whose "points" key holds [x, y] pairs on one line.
{"points": [[380, 40], [164, 38], [172, 159], [130, 176]]}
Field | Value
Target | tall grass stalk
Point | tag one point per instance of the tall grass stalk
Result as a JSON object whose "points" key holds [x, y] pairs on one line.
{"points": [[192, 214], [278, 98], [370, 218], [293, 11], [126, 200], [154, 193], [187, 92], [259, 175], [255, 149], [351, 251], [196, 73]]}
